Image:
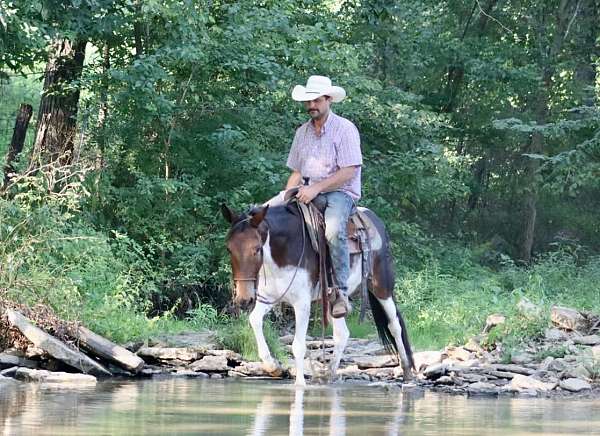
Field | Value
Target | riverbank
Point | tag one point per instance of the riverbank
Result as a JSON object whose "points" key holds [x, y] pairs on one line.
{"points": [[564, 361]]}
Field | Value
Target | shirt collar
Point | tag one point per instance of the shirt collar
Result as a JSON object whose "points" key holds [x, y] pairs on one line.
{"points": [[328, 122]]}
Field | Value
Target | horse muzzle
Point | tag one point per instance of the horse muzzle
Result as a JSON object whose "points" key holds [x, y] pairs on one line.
{"points": [[245, 293]]}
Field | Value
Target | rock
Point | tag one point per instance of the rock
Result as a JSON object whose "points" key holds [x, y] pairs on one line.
{"points": [[317, 345], [210, 364], [160, 353], [596, 353], [574, 385], [520, 358], [54, 347], [578, 371], [512, 368], [567, 318], [9, 372], [493, 321], [528, 308], [482, 388], [257, 369], [35, 352], [555, 335], [444, 380], [216, 375], [188, 373], [435, 371], [424, 359], [474, 345], [545, 364], [381, 373], [229, 355], [54, 378], [351, 372], [590, 340], [286, 339], [521, 382], [9, 360], [457, 353], [473, 378], [375, 361]]}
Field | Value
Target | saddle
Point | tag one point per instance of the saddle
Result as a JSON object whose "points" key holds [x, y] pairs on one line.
{"points": [[361, 231]]}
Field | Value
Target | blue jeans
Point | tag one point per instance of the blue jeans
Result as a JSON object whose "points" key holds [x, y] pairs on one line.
{"points": [[336, 207]]}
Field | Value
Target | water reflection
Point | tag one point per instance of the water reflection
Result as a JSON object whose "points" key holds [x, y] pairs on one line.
{"points": [[187, 406]]}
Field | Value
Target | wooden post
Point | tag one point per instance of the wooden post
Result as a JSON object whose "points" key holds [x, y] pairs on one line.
{"points": [[18, 139]]}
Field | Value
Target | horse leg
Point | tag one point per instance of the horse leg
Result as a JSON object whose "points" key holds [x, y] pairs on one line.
{"points": [[394, 326], [256, 321], [302, 313], [340, 339]]}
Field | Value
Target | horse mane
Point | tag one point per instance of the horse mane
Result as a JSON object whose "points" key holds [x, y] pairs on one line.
{"points": [[277, 218]]}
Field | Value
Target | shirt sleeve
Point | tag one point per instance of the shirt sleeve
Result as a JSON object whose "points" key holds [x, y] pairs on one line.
{"points": [[294, 161], [348, 149]]}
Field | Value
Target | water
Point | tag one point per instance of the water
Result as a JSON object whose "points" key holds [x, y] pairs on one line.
{"points": [[224, 407]]}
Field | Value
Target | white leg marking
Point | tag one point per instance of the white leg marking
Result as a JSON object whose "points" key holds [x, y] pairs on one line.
{"points": [[297, 414], [302, 312], [340, 339], [256, 321], [394, 325]]}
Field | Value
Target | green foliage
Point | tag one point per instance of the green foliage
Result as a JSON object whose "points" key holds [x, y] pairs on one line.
{"points": [[237, 335]]}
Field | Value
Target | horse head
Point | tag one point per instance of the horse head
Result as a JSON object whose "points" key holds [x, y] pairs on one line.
{"points": [[245, 240]]}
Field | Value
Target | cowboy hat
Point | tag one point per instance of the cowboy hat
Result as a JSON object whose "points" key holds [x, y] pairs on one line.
{"points": [[316, 86]]}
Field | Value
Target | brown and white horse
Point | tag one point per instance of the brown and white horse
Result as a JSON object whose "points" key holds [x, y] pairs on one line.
{"points": [[272, 261]]}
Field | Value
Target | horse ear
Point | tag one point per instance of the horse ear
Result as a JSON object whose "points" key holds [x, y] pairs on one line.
{"points": [[229, 215], [259, 216]]}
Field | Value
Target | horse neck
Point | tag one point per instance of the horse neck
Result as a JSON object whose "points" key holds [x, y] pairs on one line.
{"points": [[286, 236]]}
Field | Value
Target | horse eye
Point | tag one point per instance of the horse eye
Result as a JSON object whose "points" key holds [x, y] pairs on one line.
{"points": [[257, 250]]}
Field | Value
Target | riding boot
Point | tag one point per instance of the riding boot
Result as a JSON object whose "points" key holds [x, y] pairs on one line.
{"points": [[340, 307]]}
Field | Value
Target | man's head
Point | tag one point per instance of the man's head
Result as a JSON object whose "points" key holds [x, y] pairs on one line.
{"points": [[317, 95]]}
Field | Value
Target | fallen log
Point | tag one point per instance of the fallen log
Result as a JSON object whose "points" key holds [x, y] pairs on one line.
{"points": [[54, 347], [108, 350]]}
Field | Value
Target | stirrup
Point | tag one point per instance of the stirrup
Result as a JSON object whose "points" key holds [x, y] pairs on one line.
{"points": [[341, 306]]}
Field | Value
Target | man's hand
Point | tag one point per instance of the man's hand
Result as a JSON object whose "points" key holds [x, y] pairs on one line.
{"points": [[307, 193]]}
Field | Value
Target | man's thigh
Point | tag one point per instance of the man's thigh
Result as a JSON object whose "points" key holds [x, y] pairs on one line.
{"points": [[338, 210]]}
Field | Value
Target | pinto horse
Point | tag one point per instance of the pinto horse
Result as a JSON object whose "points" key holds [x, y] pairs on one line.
{"points": [[272, 261]]}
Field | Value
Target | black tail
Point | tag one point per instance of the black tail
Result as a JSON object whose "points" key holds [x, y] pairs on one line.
{"points": [[385, 335]]}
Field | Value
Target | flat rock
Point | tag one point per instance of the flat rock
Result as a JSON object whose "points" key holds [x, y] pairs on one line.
{"points": [[375, 361], [521, 382], [423, 359], [316, 345], [257, 369], [435, 371], [229, 355], [52, 378], [555, 335], [576, 372], [9, 360], [482, 388], [590, 340], [567, 318], [211, 364], [188, 373], [512, 368], [574, 385], [521, 358], [160, 353], [457, 353]]}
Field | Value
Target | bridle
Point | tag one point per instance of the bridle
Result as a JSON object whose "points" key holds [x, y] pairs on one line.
{"points": [[260, 298]]}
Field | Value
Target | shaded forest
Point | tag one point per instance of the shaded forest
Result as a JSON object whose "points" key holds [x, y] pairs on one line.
{"points": [[124, 124]]}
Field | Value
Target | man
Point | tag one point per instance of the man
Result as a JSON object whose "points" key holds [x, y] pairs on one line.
{"points": [[326, 151]]}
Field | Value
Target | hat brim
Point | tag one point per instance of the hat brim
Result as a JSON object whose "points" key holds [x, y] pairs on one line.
{"points": [[301, 93]]}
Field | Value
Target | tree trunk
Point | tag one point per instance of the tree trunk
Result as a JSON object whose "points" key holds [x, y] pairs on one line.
{"points": [[57, 117], [18, 139]]}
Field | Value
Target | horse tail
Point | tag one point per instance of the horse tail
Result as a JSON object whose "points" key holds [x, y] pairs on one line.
{"points": [[385, 335]]}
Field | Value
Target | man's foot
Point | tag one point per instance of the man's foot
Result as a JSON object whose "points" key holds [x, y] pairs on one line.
{"points": [[341, 306]]}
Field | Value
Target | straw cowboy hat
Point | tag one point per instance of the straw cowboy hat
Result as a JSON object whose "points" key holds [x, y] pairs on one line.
{"points": [[316, 86]]}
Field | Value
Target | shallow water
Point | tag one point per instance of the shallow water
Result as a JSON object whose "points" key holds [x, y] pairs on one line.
{"points": [[223, 407]]}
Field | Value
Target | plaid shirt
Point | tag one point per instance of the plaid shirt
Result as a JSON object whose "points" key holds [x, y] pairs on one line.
{"points": [[319, 157]]}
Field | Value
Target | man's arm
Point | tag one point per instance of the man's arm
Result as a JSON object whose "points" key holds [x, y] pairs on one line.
{"points": [[294, 180], [337, 179]]}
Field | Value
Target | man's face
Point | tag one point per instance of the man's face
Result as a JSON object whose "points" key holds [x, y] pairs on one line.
{"points": [[319, 107]]}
